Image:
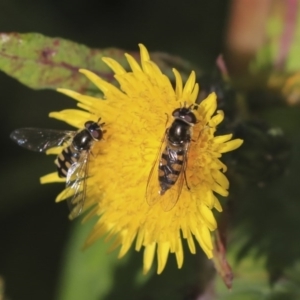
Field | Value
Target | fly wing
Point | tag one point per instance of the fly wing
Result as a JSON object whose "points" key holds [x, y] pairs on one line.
{"points": [[40, 140], [153, 188], [76, 185]]}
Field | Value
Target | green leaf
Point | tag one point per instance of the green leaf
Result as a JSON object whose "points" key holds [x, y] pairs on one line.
{"points": [[48, 63], [41, 62]]}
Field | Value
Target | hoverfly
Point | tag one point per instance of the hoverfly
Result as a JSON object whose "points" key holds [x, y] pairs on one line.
{"points": [[72, 162], [169, 170]]}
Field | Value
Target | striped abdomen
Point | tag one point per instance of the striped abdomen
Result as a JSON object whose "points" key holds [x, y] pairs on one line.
{"points": [[170, 167], [65, 160]]}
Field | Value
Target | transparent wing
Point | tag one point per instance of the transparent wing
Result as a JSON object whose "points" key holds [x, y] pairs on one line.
{"points": [[76, 185], [153, 190], [40, 140]]}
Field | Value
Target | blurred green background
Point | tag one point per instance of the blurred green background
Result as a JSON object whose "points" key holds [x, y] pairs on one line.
{"points": [[40, 255]]}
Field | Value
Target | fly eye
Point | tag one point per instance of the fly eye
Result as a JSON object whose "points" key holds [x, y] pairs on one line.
{"points": [[190, 118], [97, 134], [88, 124], [176, 113]]}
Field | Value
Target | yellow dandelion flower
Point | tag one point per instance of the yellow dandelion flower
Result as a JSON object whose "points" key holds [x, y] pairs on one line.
{"points": [[135, 117]]}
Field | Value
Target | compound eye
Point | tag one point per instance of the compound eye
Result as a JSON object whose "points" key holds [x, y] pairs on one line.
{"points": [[190, 118], [88, 124], [176, 113], [97, 134]]}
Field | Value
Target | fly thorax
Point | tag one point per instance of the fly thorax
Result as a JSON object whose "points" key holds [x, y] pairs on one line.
{"points": [[82, 140], [179, 133]]}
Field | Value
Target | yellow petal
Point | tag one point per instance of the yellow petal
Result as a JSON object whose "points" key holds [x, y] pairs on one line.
{"points": [[217, 205], [219, 190], [144, 54], [104, 86], [81, 98], [135, 67], [114, 65], [191, 243], [217, 119], [203, 237], [221, 179], [140, 239], [231, 145], [194, 94], [162, 255], [189, 86], [52, 177], [178, 89], [127, 243], [179, 254], [148, 257], [222, 138], [66, 193], [54, 150], [208, 217], [74, 117]]}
